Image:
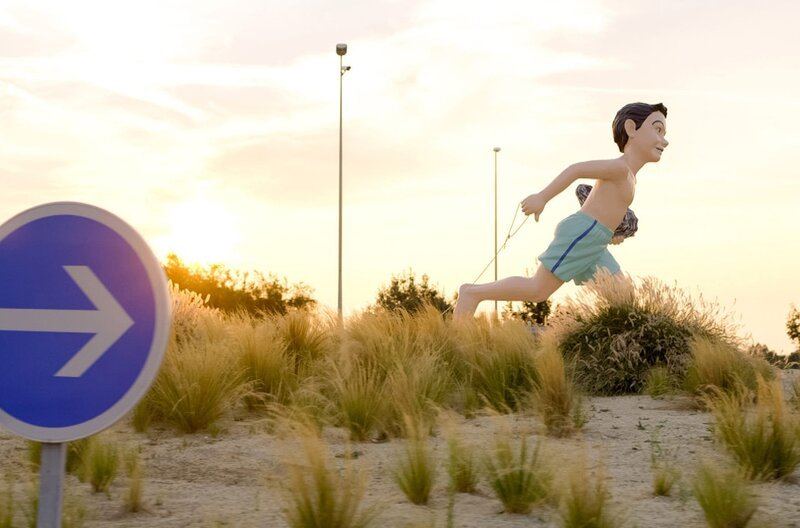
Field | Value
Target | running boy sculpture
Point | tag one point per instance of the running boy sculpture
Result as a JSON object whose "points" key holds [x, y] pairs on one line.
{"points": [[580, 245]]}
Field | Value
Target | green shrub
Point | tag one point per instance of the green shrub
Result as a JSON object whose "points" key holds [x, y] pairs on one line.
{"points": [[405, 294], [616, 330]]}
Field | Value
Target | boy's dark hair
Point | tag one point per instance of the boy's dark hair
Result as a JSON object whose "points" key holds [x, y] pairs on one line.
{"points": [[636, 111]]}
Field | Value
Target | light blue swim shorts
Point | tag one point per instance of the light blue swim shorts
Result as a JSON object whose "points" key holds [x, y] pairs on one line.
{"points": [[579, 249]]}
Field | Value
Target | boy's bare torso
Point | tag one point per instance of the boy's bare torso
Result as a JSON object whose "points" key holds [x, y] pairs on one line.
{"points": [[610, 199]]}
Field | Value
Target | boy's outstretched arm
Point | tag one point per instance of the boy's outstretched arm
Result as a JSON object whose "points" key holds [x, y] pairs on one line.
{"points": [[598, 170]]}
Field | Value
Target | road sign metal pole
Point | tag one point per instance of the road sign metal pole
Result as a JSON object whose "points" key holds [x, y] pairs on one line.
{"points": [[51, 485]]}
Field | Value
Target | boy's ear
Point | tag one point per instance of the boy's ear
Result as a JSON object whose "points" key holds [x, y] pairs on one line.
{"points": [[630, 127]]}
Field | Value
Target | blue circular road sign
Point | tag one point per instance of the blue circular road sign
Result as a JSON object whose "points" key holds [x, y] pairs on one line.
{"points": [[84, 321]]}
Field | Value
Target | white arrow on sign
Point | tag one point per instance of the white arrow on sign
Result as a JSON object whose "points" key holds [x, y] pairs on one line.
{"points": [[108, 322]]}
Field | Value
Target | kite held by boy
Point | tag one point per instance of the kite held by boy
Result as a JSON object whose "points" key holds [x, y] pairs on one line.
{"points": [[580, 244]]}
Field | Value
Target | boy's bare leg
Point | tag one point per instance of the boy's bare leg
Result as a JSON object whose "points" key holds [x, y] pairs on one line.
{"points": [[534, 289]]}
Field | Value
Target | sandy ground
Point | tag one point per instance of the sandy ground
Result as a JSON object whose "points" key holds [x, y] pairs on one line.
{"points": [[236, 478]]}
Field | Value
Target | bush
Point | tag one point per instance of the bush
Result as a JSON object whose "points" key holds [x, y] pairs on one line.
{"points": [[793, 325], [617, 330], [780, 361], [233, 291], [530, 312], [404, 293]]}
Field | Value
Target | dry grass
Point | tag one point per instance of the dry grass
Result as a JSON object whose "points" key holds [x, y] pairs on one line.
{"points": [[7, 500], [417, 388], [358, 397], [765, 441], [267, 363], [415, 472], [305, 338], [518, 476], [100, 464], [496, 362], [133, 497], [201, 376], [794, 393], [317, 495], [720, 367], [556, 399], [664, 469], [585, 501], [197, 383], [659, 382], [725, 497], [462, 460]]}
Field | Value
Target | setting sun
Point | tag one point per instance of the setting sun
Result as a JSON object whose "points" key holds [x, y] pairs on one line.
{"points": [[200, 232]]}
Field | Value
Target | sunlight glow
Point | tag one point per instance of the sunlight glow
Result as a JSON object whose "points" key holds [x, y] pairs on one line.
{"points": [[202, 232]]}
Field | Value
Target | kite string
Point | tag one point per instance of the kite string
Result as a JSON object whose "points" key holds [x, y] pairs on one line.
{"points": [[509, 236]]}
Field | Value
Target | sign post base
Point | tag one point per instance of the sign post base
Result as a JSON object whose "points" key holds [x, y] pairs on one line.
{"points": [[51, 489]]}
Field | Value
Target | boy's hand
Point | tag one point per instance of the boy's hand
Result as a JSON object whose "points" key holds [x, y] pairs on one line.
{"points": [[617, 239], [533, 204]]}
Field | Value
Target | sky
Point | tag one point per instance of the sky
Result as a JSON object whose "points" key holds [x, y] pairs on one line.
{"points": [[213, 129]]}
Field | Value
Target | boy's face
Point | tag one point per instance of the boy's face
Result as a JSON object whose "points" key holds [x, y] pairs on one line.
{"points": [[650, 138]]}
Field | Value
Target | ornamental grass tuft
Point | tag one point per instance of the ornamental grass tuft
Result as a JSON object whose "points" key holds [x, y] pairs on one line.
{"points": [[765, 440], [518, 476]]}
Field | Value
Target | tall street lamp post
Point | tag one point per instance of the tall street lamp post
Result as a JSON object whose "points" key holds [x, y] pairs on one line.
{"points": [[341, 49], [496, 150]]}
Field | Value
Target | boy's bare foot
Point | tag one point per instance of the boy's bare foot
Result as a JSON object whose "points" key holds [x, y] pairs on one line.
{"points": [[467, 303]]}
